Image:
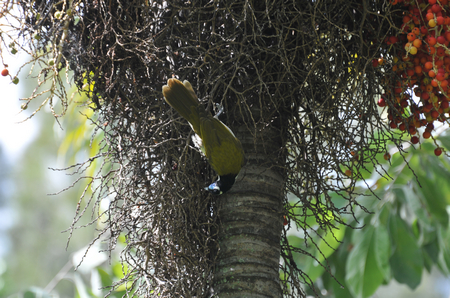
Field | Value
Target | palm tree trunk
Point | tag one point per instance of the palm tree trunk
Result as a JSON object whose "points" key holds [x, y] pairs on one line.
{"points": [[251, 222]]}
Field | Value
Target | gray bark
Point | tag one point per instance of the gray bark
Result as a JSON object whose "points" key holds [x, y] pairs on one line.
{"points": [[251, 221]]}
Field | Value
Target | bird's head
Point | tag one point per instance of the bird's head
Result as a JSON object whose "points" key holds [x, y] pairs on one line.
{"points": [[222, 185]]}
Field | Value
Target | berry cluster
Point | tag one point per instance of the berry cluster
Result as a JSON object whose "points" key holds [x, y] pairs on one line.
{"points": [[421, 62]]}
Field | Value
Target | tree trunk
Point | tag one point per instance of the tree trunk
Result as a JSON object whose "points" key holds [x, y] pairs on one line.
{"points": [[251, 222]]}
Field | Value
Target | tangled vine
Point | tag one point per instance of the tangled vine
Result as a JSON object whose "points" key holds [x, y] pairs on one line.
{"points": [[303, 66]]}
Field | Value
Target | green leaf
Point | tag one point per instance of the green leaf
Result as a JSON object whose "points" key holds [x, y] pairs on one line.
{"points": [[313, 269], [35, 292], [120, 270], [436, 198], [415, 203], [407, 260], [105, 278], [373, 277], [445, 140], [382, 250], [356, 262], [340, 290], [444, 245], [330, 242]]}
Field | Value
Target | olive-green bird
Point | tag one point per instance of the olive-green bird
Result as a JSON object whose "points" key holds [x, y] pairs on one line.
{"points": [[223, 150]]}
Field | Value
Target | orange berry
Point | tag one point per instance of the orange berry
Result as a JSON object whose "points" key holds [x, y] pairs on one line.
{"points": [[387, 156], [418, 69], [5, 72], [417, 43], [411, 36], [431, 50], [426, 134]]}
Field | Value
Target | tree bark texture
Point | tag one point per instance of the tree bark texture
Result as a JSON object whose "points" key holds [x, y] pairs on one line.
{"points": [[251, 222]]}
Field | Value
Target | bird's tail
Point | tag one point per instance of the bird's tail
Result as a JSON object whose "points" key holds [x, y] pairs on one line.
{"points": [[182, 98]]}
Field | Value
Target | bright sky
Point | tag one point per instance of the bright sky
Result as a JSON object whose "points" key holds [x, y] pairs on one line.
{"points": [[14, 136]]}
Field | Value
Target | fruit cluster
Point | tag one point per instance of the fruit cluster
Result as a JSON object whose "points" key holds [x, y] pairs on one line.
{"points": [[419, 95]]}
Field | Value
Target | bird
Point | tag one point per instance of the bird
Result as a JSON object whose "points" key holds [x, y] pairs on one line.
{"points": [[218, 143]]}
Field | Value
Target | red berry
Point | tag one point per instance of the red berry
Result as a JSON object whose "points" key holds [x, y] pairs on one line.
{"points": [[382, 102], [434, 114], [431, 40], [387, 156], [414, 140], [393, 39], [427, 108], [436, 8], [441, 39], [438, 151], [426, 134], [5, 72]]}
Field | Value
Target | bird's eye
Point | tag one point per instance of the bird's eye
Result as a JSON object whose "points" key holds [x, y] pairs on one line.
{"points": [[214, 189]]}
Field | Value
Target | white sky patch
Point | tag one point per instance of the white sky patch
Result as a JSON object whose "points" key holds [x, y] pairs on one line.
{"points": [[14, 136]]}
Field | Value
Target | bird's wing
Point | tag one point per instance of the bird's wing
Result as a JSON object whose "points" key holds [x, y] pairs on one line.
{"points": [[223, 150]]}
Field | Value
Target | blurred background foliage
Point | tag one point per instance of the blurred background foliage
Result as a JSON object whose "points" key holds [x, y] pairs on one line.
{"points": [[405, 238], [406, 234], [34, 259]]}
